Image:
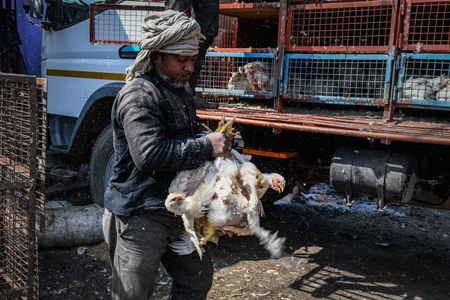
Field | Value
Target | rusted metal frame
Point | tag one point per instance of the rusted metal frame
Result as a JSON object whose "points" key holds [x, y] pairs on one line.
{"points": [[248, 6], [32, 245], [279, 57], [427, 48], [354, 131], [41, 152], [235, 32], [394, 27], [339, 100], [342, 49], [28, 113], [389, 107], [367, 125], [406, 14], [296, 118], [344, 4]]}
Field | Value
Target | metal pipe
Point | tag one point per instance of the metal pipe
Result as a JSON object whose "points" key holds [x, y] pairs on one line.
{"points": [[362, 128]]}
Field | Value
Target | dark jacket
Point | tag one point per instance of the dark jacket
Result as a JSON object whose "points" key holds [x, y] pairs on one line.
{"points": [[156, 133]]}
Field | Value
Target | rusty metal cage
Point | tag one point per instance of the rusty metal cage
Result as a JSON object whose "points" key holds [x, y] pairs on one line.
{"points": [[423, 81], [342, 27], [119, 24], [22, 180], [426, 26], [361, 79], [245, 75]]}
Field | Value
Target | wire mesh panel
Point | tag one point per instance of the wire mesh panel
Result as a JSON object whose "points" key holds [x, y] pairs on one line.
{"points": [[21, 126], [426, 26], [246, 75], [347, 27], [41, 148], [119, 24], [424, 81], [361, 79]]}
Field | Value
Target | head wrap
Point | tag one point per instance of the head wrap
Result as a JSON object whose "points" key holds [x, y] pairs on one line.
{"points": [[168, 31]]}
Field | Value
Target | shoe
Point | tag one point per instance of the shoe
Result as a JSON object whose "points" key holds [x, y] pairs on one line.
{"points": [[202, 104]]}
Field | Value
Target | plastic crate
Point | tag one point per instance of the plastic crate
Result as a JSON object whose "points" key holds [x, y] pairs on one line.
{"points": [[426, 26], [243, 75], [423, 81], [342, 27], [361, 79]]}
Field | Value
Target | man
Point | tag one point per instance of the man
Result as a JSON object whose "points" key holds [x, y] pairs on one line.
{"points": [[156, 133], [206, 13]]}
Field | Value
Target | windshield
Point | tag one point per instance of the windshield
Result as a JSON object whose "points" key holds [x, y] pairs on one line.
{"points": [[71, 12]]}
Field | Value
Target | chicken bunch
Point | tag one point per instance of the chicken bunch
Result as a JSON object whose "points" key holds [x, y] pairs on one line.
{"points": [[222, 195], [424, 88]]}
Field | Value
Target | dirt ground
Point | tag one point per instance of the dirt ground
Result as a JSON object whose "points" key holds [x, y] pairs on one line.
{"points": [[332, 252]]}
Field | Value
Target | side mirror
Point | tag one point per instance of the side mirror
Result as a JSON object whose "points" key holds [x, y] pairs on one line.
{"points": [[35, 8]]}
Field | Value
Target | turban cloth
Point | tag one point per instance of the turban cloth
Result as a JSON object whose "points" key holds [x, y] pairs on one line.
{"points": [[168, 31]]}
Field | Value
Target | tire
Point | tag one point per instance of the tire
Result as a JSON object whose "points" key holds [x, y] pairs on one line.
{"points": [[101, 165]]}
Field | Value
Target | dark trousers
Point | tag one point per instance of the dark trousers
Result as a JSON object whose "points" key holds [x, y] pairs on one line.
{"points": [[137, 246], [206, 13]]}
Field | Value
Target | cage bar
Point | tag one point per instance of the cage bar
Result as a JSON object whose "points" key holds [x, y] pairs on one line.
{"points": [[423, 81], [362, 79], [342, 27], [426, 26]]}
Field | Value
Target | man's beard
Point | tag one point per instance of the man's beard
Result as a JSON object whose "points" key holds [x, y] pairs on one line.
{"points": [[175, 83]]}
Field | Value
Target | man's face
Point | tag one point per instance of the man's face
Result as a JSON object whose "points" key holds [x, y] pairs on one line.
{"points": [[176, 69]]}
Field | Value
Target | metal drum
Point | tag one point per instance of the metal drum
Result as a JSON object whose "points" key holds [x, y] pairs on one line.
{"points": [[374, 173]]}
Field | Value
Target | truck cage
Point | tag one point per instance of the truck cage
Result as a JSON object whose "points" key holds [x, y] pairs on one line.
{"points": [[388, 55]]}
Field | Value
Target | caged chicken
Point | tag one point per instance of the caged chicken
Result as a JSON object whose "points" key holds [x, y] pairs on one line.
{"points": [[257, 76], [222, 195], [238, 80]]}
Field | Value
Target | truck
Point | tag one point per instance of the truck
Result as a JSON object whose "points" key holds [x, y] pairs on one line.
{"points": [[353, 93]]}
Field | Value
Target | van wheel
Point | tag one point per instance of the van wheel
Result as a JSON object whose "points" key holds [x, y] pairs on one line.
{"points": [[101, 165]]}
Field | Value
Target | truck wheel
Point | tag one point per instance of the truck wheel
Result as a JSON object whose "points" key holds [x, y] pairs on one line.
{"points": [[101, 165]]}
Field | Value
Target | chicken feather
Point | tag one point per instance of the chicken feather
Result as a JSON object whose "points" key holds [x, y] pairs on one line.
{"points": [[222, 195]]}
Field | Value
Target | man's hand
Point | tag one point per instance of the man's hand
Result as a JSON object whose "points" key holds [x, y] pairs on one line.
{"points": [[222, 143]]}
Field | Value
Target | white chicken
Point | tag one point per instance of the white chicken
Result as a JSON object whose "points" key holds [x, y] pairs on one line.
{"points": [[257, 76], [437, 83], [238, 81], [223, 195], [443, 94], [418, 89]]}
